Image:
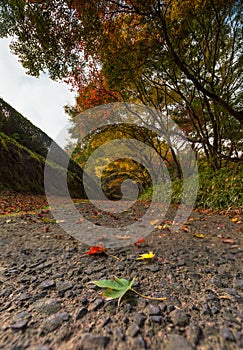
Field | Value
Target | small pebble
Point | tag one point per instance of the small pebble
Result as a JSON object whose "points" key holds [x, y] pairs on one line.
{"points": [[139, 319], [133, 330], [227, 334], [81, 313], [156, 319], [177, 342], [47, 284], [179, 318], [154, 310]]}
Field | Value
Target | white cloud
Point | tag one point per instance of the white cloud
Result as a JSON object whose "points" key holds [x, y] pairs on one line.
{"points": [[40, 100]]}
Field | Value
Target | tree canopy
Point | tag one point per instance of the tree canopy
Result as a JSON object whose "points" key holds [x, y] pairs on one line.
{"points": [[182, 57]]}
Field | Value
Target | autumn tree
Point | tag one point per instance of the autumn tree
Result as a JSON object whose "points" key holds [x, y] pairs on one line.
{"points": [[182, 57]]}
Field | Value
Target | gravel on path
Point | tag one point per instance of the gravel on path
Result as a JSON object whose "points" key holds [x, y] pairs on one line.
{"points": [[46, 302]]}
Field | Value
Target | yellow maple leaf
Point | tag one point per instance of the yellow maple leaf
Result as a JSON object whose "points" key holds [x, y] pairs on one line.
{"points": [[153, 222], [163, 227], [198, 235], [150, 255]]}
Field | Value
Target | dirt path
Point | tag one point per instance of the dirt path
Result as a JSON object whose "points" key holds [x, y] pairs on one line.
{"points": [[47, 303]]}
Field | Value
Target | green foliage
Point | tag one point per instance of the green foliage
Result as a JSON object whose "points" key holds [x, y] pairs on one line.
{"points": [[46, 36], [182, 57], [23, 170], [117, 288], [221, 189], [22, 130], [20, 136]]}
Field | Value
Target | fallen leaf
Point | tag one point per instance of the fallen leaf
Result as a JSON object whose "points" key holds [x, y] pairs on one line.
{"points": [[225, 297], [140, 240], [154, 222], [198, 235], [192, 219], [163, 227], [228, 240], [149, 255], [122, 237], [118, 287], [235, 219], [96, 250]]}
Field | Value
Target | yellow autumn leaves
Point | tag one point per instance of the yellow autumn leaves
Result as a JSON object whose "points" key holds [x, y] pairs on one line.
{"points": [[149, 255]]}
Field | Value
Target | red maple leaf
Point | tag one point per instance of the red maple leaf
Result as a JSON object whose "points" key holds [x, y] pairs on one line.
{"points": [[96, 250], [140, 240]]}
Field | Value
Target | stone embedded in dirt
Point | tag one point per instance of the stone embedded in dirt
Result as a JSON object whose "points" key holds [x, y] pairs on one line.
{"points": [[24, 296], [141, 303], [19, 325], [47, 284], [215, 310], [127, 308], [239, 338], [216, 282], [53, 322], [41, 295], [84, 300], [96, 305], [106, 321], [139, 318], [206, 310], [64, 315], [238, 283], [170, 308], [163, 307], [153, 309], [23, 315], [43, 347], [194, 333], [5, 292], [120, 333], [156, 319], [120, 267], [177, 342], [91, 341], [227, 334], [47, 306], [63, 286], [7, 306], [154, 268], [179, 318], [43, 266], [81, 313], [111, 307], [138, 343], [133, 330], [150, 332]]}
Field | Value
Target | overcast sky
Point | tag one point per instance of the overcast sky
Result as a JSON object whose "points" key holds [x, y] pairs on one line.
{"points": [[39, 99]]}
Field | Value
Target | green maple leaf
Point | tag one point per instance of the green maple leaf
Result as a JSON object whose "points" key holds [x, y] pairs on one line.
{"points": [[118, 287]]}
